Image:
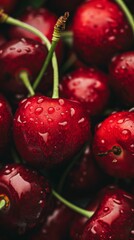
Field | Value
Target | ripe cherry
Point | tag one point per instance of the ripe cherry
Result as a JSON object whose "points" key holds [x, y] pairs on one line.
{"points": [[87, 85], [24, 195], [122, 77], [49, 131], [8, 5], [100, 31], [114, 144], [113, 219]]}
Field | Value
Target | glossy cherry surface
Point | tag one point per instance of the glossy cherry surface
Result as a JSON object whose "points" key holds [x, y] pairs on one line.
{"points": [[122, 77], [28, 195], [100, 31], [113, 219], [117, 130], [49, 131], [87, 85], [21, 55]]}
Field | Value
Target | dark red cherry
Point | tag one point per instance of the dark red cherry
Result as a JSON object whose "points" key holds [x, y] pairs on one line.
{"points": [[26, 195], [114, 144], [56, 226], [122, 77], [100, 31], [43, 20], [113, 219], [87, 85], [16, 56], [6, 121], [49, 131]]}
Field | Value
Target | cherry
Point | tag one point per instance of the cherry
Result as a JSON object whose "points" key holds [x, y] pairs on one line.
{"points": [[43, 130], [7, 5], [113, 144], [113, 218], [24, 196], [21, 55], [56, 226], [85, 177], [100, 31], [6, 120], [122, 77], [43, 20], [87, 85]]}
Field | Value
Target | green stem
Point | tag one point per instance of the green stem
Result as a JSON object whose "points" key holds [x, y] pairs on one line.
{"points": [[2, 204], [32, 29], [127, 13], [79, 210], [25, 79]]}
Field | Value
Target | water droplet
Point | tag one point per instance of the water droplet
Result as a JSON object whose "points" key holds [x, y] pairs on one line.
{"points": [[102, 141], [121, 211], [63, 123], [120, 121], [44, 136], [27, 49], [114, 161], [1, 104], [40, 100], [106, 209], [1, 51], [19, 119], [23, 40], [62, 114], [81, 120], [117, 201], [50, 120], [111, 38], [126, 133], [36, 46], [131, 109], [132, 231], [7, 171], [51, 110], [27, 104], [19, 50], [38, 110], [61, 102], [99, 6], [72, 112]]}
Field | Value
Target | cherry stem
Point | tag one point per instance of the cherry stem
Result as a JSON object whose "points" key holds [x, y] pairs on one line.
{"points": [[127, 13], [25, 79], [72, 206], [2, 203], [9, 20], [115, 149]]}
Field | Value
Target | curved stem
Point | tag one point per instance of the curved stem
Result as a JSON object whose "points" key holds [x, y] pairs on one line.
{"points": [[25, 79], [32, 29], [127, 13], [79, 210]]}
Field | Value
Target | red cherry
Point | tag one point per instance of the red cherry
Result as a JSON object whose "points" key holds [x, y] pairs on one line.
{"points": [[113, 219], [48, 131], [56, 226], [100, 30], [114, 144], [122, 77], [26, 195], [16, 56], [87, 85], [6, 120], [43, 20]]}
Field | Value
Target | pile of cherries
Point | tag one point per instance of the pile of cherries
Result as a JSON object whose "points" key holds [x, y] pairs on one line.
{"points": [[67, 161]]}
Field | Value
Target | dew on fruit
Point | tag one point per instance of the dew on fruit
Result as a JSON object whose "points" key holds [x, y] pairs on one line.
{"points": [[27, 49], [38, 110], [132, 232], [99, 6], [1, 104], [1, 51], [126, 133], [31, 119], [93, 230], [36, 46], [40, 100], [114, 161], [27, 104], [63, 123], [44, 136], [61, 102], [131, 109], [120, 121], [19, 50], [7, 172], [102, 141], [72, 112], [127, 196], [62, 114], [106, 209], [111, 38], [23, 40], [19, 119], [121, 211], [51, 110], [117, 201], [81, 120]]}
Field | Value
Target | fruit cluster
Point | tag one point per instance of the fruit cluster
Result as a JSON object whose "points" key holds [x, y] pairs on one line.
{"points": [[67, 147]]}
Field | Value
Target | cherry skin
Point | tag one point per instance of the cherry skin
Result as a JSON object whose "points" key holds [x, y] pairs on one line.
{"points": [[43, 20], [27, 195], [113, 218], [87, 85], [16, 56], [56, 225], [49, 131], [7, 5], [6, 120], [122, 77], [100, 30], [113, 145]]}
